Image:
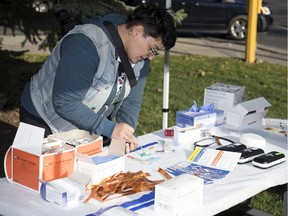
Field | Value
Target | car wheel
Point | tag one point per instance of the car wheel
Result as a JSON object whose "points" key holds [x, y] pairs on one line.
{"points": [[238, 28], [262, 25]]}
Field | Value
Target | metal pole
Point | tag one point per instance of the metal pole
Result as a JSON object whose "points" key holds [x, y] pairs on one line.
{"points": [[165, 108], [251, 41]]}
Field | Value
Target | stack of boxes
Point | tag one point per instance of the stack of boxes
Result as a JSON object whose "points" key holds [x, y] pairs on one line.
{"points": [[42, 164], [229, 108], [26, 164]]}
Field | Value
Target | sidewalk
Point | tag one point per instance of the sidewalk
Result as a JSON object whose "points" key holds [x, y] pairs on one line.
{"points": [[15, 44], [216, 47], [206, 46]]}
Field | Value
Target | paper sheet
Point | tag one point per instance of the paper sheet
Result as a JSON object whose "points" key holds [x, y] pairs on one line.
{"points": [[208, 164]]}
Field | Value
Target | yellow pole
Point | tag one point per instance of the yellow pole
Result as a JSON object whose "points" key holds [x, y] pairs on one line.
{"points": [[251, 31], [259, 6]]}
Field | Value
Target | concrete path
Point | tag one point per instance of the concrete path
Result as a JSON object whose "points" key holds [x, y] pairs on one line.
{"points": [[206, 46], [217, 47]]}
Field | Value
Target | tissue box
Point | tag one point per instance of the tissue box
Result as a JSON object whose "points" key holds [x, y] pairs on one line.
{"points": [[66, 192], [25, 164], [184, 118], [223, 96], [91, 146], [178, 196], [103, 164], [248, 114]]}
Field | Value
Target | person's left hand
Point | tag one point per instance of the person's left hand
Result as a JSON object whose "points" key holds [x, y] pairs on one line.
{"points": [[131, 146]]}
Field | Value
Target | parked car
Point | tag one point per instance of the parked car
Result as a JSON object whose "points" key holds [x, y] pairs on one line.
{"points": [[227, 17]]}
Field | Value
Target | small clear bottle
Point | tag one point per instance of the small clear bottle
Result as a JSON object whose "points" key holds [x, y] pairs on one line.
{"points": [[168, 140]]}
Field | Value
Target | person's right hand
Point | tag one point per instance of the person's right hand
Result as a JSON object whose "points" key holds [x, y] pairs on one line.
{"points": [[125, 132]]}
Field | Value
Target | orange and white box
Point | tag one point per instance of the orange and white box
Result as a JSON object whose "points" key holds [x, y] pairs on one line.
{"points": [[25, 162], [91, 144]]}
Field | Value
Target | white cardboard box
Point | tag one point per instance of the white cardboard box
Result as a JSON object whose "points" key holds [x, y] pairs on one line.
{"points": [[248, 114], [66, 192], [113, 162], [223, 96], [93, 146], [187, 136], [179, 195]]}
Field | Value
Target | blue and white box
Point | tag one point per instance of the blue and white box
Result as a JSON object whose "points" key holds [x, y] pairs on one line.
{"points": [[66, 192], [185, 118]]}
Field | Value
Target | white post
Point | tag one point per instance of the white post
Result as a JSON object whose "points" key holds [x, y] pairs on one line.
{"points": [[165, 108]]}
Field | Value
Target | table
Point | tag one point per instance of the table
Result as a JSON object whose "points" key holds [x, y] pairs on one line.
{"points": [[242, 183]]}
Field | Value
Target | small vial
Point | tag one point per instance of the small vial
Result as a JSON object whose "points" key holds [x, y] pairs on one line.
{"points": [[168, 140]]}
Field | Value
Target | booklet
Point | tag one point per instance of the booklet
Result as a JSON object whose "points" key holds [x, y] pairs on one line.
{"points": [[208, 164]]}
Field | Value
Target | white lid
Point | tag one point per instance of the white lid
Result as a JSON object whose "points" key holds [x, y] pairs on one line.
{"points": [[252, 140]]}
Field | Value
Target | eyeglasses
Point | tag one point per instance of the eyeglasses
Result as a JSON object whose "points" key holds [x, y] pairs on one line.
{"points": [[212, 140], [153, 51]]}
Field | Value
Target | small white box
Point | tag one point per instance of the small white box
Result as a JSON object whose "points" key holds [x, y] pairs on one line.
{"points": [[248, 114], [92, 145], [179, 195], [187, 136], [103, 164], [66, 192], [223, 96]]}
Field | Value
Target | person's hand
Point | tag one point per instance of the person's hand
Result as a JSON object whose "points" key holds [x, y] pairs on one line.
{"points": [[131, 146], [125, 132]]}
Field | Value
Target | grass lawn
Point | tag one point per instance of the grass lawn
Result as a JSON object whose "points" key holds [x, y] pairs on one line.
{"points": [[189, 75]]}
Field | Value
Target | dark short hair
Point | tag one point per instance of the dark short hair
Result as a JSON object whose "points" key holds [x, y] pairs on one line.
{"points": [[157, 23]]}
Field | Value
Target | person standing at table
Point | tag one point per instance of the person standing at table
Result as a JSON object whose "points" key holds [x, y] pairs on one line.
{"points": [[81, 85]]}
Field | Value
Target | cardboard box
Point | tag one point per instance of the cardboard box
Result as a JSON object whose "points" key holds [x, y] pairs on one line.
{"points": [[248, 114], [184, 118], [104, 164], [83, 141], [187, 136], [66, 192], [178, 196], [223, 96], [25, 163]]}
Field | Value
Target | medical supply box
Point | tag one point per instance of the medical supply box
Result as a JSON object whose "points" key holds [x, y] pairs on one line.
{"points": [[223, 96], [248, 114], [187, 136], [66, 192], [26, 163], [104, 164], [185, 118], [83, 141], [179, 195]]}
